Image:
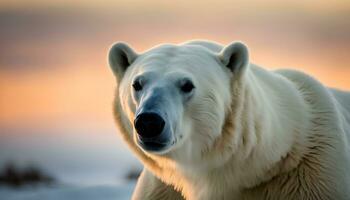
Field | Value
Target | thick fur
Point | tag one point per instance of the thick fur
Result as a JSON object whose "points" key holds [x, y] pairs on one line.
{"points": [[249, 133]]}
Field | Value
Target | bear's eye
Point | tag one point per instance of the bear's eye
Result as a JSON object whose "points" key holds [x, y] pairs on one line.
{"points": [[187, 86], [137, 86]]}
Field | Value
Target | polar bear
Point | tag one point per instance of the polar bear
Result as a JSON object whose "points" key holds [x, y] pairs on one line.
{"points": [[208, 124]]}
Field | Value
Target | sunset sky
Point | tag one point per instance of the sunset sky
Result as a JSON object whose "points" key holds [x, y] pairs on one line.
{"points": [[55, 84]]}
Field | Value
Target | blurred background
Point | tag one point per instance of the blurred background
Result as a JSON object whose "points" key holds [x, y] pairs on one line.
{"points": [[56, 89]]}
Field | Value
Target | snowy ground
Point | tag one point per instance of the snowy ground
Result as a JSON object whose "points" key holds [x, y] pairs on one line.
{"points": [[92, 162], [99, 192]]}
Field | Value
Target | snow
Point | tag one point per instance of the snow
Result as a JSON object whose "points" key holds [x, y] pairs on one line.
{"points": [[80, 154], [97, 192], [88, 160]]}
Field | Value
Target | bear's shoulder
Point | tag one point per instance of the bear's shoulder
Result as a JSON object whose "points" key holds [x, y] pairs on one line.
{"points": [[303, 81], [318, 96]]}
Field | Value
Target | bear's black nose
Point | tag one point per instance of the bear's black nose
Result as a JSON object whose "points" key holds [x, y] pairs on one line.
{"points": [[149, 125]]}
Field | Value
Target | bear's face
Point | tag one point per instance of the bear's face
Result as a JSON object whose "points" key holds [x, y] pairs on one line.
{"points": [[176, 97]]}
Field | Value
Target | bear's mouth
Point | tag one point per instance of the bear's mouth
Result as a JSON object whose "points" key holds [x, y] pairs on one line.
{"points": [[154, 145]]}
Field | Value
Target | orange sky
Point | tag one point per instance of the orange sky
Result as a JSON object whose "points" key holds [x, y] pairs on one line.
{"points": [[53, 64]]}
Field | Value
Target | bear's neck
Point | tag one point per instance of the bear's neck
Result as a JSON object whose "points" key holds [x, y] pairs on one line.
{"points": [[268, 125], [261, 134]]}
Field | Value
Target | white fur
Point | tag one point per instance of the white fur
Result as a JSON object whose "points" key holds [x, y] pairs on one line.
{"points": [[246, 133]]}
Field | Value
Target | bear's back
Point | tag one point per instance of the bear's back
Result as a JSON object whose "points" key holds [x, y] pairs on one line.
{"points": [[323, 97], [344, 100]]}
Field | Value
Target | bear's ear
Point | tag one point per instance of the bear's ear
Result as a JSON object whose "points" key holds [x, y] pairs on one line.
{"points": [[235, 56], [120, 57]]}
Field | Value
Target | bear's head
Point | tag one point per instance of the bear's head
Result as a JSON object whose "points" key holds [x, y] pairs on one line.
{"points": [[174, 99]]}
